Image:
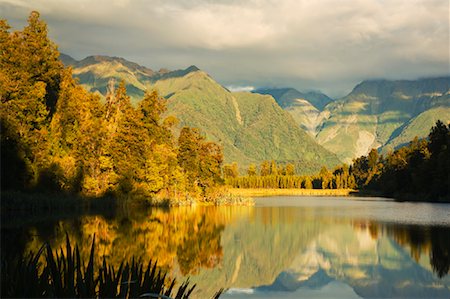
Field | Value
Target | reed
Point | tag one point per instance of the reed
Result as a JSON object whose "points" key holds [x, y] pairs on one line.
{"points": [[64, 274]]}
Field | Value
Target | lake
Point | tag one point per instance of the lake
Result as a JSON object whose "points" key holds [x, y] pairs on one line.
{"points": [[283, 247]]}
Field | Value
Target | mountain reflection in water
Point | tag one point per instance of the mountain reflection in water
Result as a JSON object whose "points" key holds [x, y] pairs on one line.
{"points": [[282, 247]]}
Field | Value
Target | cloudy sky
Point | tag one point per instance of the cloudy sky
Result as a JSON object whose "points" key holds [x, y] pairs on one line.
{"points": [[327, 45]]}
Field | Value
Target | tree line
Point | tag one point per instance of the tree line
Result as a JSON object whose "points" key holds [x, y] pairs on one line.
{"points": [[418, 171], [271, 174], [57, 137]]}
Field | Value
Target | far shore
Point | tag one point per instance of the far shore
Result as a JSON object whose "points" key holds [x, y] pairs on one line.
{"points": [[259, 192]]}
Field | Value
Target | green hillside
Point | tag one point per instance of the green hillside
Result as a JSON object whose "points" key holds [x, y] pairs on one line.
{"points": [[250, 127], [380, 112], [265, 123], [305, 108], [418, 126], [376, 114], [287, 97]]}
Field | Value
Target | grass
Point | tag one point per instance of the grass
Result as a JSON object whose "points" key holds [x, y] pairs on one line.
{"points": [[254, 192], [230, 199], [63, 274]]}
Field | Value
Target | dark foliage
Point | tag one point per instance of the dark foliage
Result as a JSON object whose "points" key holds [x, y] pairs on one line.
{"points": [[418, 171], [64, 274]]}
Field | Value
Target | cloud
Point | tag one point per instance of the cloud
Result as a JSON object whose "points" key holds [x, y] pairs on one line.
{"points": [[320, 44], [235, 88]]}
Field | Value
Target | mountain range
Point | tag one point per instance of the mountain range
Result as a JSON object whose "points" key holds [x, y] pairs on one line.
{"points": [[250, 127], [309, 129], [378, 114]]}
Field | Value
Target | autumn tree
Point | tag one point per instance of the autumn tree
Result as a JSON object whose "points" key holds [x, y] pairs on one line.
{"points": [[200, 160], [30, 74], [290, 169], [251, 171], [264, 169], [231, 170]]}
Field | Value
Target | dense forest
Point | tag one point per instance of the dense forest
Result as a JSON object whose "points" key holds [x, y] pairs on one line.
{"points": [[418, 171], [57, 137], [271, 174]]}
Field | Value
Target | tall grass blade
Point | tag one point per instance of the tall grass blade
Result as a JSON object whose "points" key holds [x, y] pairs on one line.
{"points": [[64, 275]]}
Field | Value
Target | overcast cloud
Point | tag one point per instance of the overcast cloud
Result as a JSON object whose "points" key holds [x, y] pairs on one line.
{"points": [[328, 45]]}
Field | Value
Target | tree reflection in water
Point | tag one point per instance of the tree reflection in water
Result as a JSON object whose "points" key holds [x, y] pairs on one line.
{"points": [[431, 240], [245, 247], [189, 236]]}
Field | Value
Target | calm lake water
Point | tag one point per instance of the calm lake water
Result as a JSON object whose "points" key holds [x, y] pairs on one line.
{"points": [[283, 247]]}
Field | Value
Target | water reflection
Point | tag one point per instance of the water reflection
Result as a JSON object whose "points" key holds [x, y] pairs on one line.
{"points": [[431, 241], [264, 251]]}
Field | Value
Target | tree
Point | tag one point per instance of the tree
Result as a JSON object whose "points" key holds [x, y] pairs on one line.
{"points": [[152, 107], [189, 145], [251, 171], [231, 170], [264, 168], [307, 183], [211, 159], [29, 79], [326, 178], [273, 168], [290, 169], [201, 160]]}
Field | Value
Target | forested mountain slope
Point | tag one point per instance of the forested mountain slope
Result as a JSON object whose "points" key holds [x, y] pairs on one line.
{"points": [[250, 127]]}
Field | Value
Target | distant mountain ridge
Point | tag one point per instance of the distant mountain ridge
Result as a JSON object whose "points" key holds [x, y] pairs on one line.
{"points": [[286, 97], [251, 127], [95, 71], [381, 114], [305, 108]]}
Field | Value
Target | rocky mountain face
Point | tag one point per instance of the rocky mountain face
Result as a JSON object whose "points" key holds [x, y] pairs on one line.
{"points": [[376, 114], [287, 97], [251, 127], [306, 108]]}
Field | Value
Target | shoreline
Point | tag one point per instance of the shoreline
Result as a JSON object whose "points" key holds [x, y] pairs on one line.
{"points": [[261, 192], [32, 202]]}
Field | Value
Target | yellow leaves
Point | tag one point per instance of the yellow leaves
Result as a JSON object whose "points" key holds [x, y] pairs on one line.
{"points": [[106, 163], [68, 166], [186, 234], [170, 121], [103, 147]]}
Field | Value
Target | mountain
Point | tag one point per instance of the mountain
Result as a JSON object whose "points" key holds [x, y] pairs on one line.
{"points": [[379, 114], [306, 108], [383, 114], [67, 60], [286, 97], [418, 125], [373, 268], [94, 73], [250, 127]]}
